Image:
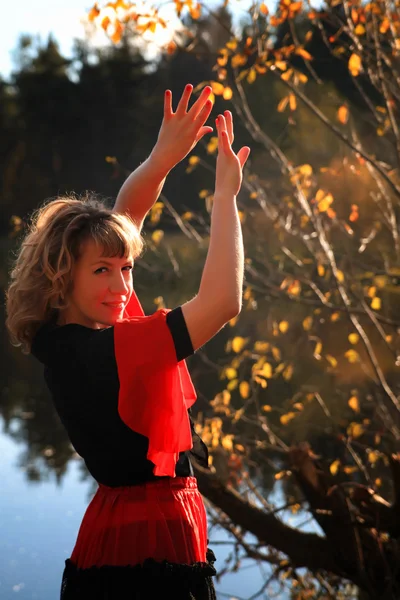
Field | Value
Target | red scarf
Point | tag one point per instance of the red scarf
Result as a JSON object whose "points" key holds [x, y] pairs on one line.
{"points": [[155, 390]]}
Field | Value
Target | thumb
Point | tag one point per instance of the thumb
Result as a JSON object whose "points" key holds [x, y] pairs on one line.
{"points": [[243, 155], [203, 131]]}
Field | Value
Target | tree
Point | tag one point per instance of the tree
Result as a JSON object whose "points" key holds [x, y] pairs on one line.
{"points": [[319, 325]]}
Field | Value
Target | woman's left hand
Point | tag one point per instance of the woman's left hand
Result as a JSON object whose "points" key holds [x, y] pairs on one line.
{"points": [[181, 130]]}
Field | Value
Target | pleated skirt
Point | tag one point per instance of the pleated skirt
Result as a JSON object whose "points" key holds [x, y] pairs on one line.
{"points": [[142, 542]]}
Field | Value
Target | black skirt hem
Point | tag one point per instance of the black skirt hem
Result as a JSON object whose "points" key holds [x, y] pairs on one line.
{"points": [[151, 580]]}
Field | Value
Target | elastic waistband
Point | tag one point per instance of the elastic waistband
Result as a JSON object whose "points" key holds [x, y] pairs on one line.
{"points": [[166, 483]]}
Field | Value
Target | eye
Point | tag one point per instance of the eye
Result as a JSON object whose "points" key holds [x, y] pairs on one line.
{"points": [[100, 270], [128, 268]]}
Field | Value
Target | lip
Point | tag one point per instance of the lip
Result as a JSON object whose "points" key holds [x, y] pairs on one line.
{"points": [[115, 305]]}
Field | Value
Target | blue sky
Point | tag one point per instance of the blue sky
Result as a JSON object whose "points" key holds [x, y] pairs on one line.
{"points": [[60, 17]]}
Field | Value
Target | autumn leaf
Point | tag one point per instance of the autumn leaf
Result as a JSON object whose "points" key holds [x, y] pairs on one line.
{"points": [[94, 12], [307, 323], [211, 148], [352, 356], [238, 343], [343, 114], [264, 9], [292, 101], [303, 53], [354, 404], [285, 419], [331, 360], [353, 338], [157, 236], [334, 468], [354, 64], [227, 93], [355, 430], [244, 389], [217, 88], [266, 408], [283, 326], [376, 303], [283, 104]]}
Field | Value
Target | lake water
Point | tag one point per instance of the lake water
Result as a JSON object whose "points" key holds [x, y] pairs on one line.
{"points": [[39, 522]]}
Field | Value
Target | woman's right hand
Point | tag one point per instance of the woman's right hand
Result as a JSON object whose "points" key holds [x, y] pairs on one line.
{"points": [[229, 174]]}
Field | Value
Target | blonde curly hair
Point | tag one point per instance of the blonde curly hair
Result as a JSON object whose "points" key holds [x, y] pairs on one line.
{"points": [[40, 278]]}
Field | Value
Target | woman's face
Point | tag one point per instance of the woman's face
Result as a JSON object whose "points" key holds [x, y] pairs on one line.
{"points": [[102, 287]]}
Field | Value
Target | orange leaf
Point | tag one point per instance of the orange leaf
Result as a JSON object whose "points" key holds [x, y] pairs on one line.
{"points": [[264, 9], [227, 93], [217, 88], [384, 25], [282, 104], [292, 101], [118, 30], [105, 23], [354, 65], [94, 12], [303, 53], [343, 114]]}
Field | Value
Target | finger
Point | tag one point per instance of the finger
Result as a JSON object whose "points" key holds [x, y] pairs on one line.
{"points": [[204, 114], [167, 103], [229, 125], [203, 131], [243, 155], [201, 100], [184, 101], [225, 142]]}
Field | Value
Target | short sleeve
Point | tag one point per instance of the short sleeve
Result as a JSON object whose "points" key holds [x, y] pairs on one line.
{"points": [[155, 388]]}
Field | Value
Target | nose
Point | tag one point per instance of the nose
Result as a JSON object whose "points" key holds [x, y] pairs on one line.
{"points": [[119, 284]]}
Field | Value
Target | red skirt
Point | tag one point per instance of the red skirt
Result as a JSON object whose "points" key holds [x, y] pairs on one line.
{"points": [[164, 520]]}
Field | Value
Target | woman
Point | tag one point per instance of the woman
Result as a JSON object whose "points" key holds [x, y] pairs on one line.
{"points": [[118, 378]]}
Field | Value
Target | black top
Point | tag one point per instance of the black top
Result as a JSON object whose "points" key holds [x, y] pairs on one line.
{"points": [[81, 374]]}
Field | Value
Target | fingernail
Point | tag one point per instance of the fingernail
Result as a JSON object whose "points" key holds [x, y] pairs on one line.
{"points": [[189, 87]]}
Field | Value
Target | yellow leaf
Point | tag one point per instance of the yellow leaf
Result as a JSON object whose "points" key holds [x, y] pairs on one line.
{"points": [[266, 408], [321, 270], [287, 75], [288, 372], [376, 303], [378, 482], [230, 373], [340, 276], [251, 77], [276, 353], [157, 236], [332, 360], [233, 321], [261, 381], [238, 60], [226, 442], [355, 430], [334, 468], [238, 343], [211, 148], [303, 53], [261, 347], [194, 160], [283, 104], [217, 88], [352, 356], [343, 114], [360, 29], [325, 203], [371, 291], [266, 371], [385, 25], [227, 93], [348, 470], [283, 326], [298, 405], [307, 323], [318, 350], [232, 385], [280, 475], [284, 419], [354, 404], [380, 281], [231, 45], [373, 456], [292, 101], [281, 65], [353, 338], [305, 170], [244, 389], [354, 64]]}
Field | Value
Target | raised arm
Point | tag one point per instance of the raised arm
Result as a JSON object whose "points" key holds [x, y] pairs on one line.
{"points": [[219, 298], [179, 134]]}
